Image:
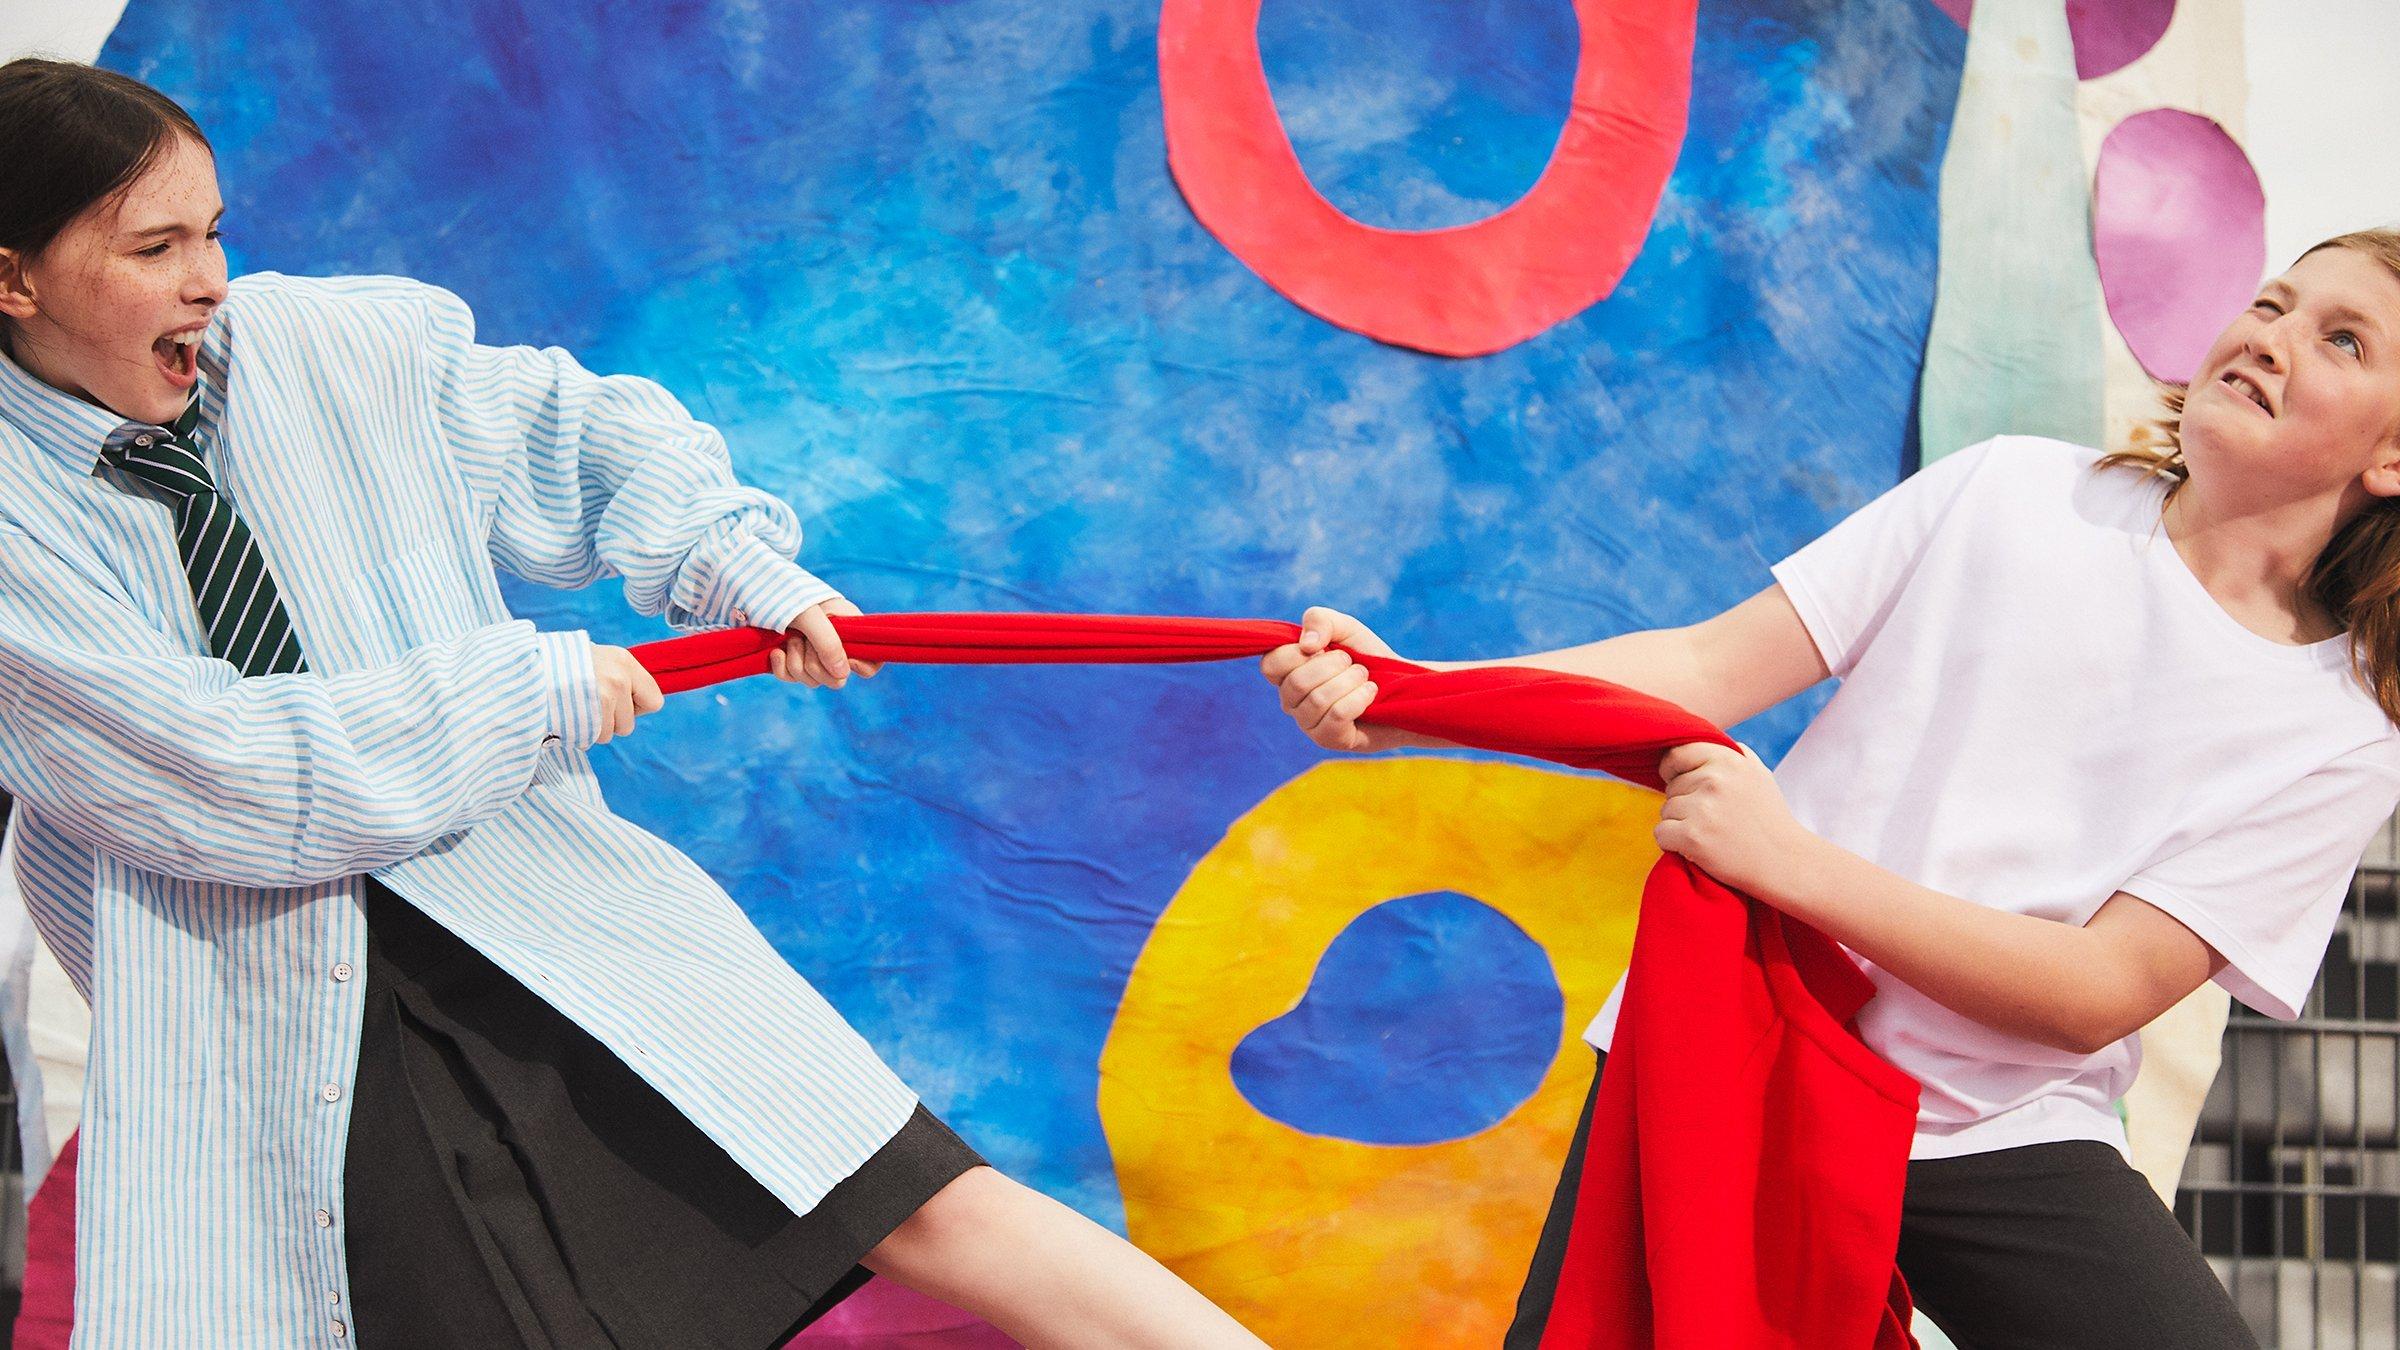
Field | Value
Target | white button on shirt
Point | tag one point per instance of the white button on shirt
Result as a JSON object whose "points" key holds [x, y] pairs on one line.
{"points": [[388, 464]]}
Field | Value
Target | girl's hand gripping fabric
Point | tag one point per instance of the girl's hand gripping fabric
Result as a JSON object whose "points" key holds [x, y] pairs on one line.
{"points": [[812, 652], [1725, 814], [627, 691], [1325, 691]]}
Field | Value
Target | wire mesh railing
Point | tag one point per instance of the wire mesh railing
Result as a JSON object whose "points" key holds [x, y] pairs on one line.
{"points": [[2292, 1188]]}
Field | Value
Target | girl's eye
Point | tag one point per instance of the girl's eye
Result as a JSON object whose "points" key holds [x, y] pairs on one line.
{"points": [[2345, 340], [2268, 305], [158, 250]]}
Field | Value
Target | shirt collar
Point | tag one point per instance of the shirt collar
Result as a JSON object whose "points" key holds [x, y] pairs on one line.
{"points": [[63, 425]]}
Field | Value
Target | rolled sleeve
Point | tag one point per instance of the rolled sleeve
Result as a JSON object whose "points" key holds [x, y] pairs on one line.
{"points": [[573, 687], [756, 585]]}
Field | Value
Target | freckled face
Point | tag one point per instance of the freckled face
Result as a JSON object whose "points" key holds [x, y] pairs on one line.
{"points": [[2304, 387], [120, 298]]}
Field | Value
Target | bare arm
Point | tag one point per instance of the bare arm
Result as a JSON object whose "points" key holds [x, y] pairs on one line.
{"points": [[2078, 989], [2075, 989], [1740, 663], [1727, 669]]}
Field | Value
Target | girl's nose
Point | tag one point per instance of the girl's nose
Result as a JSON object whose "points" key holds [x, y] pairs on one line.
{"points": [[2266, 344], [205, 283]]}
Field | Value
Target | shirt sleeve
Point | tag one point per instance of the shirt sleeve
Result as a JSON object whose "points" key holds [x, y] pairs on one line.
{"points": [[179, 765], [585, 476], [2265, 890], [1846, 581]]}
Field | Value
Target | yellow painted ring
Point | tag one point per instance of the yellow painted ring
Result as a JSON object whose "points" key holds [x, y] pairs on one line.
{"points": [[1316, 1241]]}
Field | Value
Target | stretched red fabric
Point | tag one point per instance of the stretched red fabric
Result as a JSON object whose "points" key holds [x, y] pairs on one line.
{"points": [[1742, 1181]]}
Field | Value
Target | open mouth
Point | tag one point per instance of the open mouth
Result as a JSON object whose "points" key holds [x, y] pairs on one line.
{"points": [[178, 356], [2248, 388]]}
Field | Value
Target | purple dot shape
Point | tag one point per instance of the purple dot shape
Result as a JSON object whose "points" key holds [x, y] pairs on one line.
{"points": [[2179, 228], [2109, 34]]}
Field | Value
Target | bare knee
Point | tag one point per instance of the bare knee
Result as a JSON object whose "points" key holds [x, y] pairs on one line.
{"points": [[971, 1204]]}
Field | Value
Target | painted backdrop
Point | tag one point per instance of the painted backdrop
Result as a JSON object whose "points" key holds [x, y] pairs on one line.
{"points": [[1306, 1029]]}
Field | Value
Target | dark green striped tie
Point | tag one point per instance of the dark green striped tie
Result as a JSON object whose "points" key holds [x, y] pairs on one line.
{"points": [[246, 621]]}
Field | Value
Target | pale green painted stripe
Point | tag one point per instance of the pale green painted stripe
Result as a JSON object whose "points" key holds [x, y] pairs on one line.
{"points": [[2015, 346]]}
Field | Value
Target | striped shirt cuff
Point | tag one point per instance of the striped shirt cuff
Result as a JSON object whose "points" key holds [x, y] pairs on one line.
{"points": [[573, 685], [767, 589]]}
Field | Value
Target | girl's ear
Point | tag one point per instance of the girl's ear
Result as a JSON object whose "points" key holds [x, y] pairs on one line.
{"points": [[16, 287], [2382, 478]]}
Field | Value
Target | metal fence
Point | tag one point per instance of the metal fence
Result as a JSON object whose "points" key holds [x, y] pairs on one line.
{"points": [[2293, 1183]]}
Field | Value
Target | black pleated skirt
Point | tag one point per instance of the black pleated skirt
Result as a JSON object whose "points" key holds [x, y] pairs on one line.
{"points": [[510, 1182]]}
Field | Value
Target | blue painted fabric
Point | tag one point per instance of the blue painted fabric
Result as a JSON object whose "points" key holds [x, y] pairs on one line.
{"points": [[924, 265]]}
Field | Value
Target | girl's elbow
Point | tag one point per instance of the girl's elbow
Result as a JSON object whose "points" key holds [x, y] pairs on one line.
{"points": [[2093, 1041], [2091, 1031], [268, 845]]}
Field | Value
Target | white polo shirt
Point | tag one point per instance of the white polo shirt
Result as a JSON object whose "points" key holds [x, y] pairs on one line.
{"points": [[2041, 706]]}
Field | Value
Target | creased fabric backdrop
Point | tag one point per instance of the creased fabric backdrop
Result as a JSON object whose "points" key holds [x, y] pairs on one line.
{"points": [[926, 267]]}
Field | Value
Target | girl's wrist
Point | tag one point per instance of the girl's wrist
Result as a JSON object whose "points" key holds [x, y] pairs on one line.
{"points": [[1809, 871]]}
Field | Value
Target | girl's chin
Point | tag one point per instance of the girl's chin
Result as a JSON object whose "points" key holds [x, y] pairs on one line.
{"points": [[158, 404], [2210, 424]]}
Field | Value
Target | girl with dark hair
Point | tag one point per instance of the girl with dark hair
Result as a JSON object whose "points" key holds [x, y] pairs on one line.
{"points": [[2109, 726], [399, 1034]]}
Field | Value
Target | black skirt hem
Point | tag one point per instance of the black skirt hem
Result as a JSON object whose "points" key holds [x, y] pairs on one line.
{"points": [[510, 1181]]}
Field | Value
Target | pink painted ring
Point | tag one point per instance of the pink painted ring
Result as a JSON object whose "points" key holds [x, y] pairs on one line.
{"points": [[1468, 290]]}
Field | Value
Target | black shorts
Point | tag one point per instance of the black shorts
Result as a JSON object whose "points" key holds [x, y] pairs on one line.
{"points": [[2047, 1247], [510, 1182]]}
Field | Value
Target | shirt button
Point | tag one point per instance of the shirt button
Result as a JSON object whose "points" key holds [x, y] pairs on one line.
{"points": [[142, 441], [333, 1296], [741, 616], [324, 1218], [339, 1331], [342, 972], [331, 1092]]}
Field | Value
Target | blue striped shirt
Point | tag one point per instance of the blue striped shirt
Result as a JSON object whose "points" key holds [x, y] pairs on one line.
{"points": [[193, 842]]}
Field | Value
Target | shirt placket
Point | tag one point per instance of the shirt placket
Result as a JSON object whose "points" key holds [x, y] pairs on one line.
{"points": [[337, 976]]}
